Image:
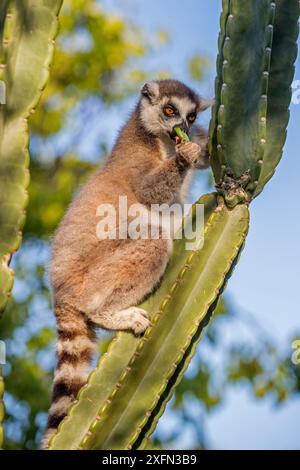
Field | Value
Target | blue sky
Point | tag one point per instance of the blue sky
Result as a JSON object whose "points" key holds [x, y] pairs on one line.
{"points": [[266, 279]]}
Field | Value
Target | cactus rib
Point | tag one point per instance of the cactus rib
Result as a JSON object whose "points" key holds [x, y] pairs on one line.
{"points": [[282, 69], [150, 426], [219, 170], [27, 57]]}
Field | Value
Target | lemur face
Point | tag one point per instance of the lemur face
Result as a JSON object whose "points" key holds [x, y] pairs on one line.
{"points": [[166, 104]]}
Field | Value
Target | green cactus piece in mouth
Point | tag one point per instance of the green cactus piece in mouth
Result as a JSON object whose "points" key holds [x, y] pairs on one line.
{"points": [[181, 134]]}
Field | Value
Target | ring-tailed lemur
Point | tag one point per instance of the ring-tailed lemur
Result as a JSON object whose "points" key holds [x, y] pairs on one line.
{"points": [[99, 283]]}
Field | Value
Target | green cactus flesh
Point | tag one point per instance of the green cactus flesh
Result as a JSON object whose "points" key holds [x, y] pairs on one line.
{"points": [[181, 134]]}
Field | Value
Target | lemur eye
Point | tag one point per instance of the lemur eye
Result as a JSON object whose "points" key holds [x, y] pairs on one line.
{"points": [[192, 117], [169, 111]]}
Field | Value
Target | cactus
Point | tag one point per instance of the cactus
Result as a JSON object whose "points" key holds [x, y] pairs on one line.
{"points": [[128, 391], [254, 74], [26, 46], [26, 50]]}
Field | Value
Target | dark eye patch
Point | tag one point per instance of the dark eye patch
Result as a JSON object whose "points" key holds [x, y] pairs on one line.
{"points": [[191, 117]]}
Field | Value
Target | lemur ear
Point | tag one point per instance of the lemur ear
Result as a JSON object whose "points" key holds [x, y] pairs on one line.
{"points": [[205, 104], [151, 91]]}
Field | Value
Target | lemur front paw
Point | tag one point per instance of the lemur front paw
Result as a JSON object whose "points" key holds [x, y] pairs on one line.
{"points": [[190, 152], [139, 320]]}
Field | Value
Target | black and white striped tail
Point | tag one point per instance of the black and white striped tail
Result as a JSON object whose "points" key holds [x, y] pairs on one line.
{"points": [[75, 348]]}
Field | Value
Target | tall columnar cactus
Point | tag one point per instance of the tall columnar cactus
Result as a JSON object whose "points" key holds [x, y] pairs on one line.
{"points": [[27, 42], [128, 391], [27, 35], [255, 67]]}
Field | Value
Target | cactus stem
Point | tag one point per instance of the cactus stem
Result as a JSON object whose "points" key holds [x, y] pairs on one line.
{"points": [[157, 396], [128, 369]]}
